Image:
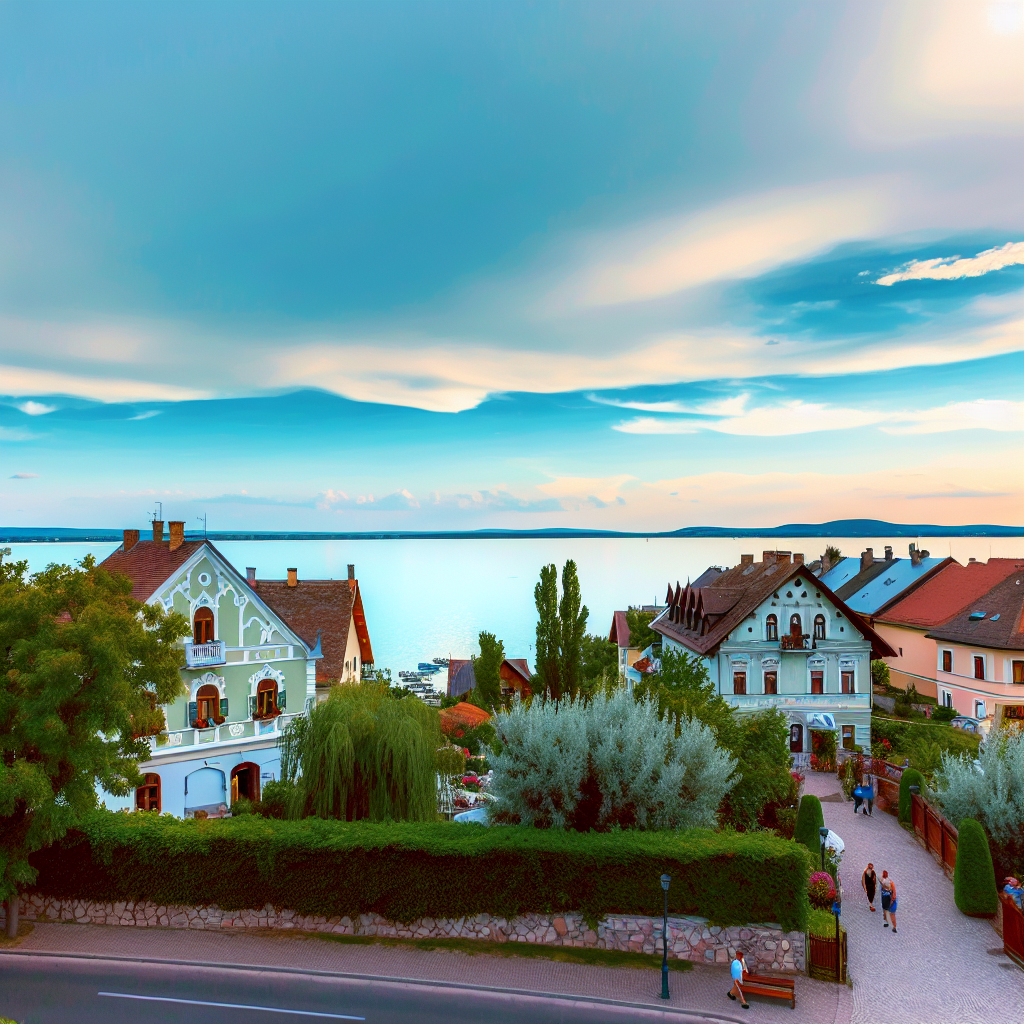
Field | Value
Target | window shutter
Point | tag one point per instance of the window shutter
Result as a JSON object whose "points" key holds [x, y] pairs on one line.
{"points": [[224, 706], [252, 707], [193, 712], [281, 699]]}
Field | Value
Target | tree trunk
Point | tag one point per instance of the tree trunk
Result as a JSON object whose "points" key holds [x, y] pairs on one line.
{"points": [[12, 917]]}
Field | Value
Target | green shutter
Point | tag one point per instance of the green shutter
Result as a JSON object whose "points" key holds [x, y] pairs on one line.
{"points": [[193, 712], [281, 699], [224, 707], [252, 707]]}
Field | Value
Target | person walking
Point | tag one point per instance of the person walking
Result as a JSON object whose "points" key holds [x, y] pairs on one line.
{"points": [[888, 901], [858, 798], [868, 792], [739, 965], [867, 882]]}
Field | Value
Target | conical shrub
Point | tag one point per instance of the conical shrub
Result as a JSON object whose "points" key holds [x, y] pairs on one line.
{"points": [[974, 878], [911, 777], [809, 819]]}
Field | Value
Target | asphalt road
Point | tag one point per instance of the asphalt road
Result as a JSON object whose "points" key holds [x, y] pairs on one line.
{"points": [[34, 990]]}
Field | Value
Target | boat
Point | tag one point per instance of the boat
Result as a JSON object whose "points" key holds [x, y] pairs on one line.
{"points": [[425, 666], [441, 662]]}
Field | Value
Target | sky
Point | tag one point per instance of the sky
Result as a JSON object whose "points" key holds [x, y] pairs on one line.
{"points": [[627, 266]]}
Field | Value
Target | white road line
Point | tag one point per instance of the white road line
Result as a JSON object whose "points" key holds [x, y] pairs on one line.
{"points": [[229, 1006]]}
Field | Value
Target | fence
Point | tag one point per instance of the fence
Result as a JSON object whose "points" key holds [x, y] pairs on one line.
{"points": [[886, 781], [1013, 930], [826, 958], [938, 835]]}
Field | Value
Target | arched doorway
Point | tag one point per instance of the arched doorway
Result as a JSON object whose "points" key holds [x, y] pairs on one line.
{"points": [[796, 738], [202, 626], [245, 781]]}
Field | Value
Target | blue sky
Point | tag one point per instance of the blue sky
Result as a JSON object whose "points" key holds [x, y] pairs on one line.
{"points": [[427, 265]]}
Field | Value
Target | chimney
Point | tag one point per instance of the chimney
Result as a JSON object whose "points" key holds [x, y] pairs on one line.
{"points": [[767, 556], [969, 559], [293, 577], [250, 575], [158, 531], [826, 564], [867, 558], [177, 528], [783, 557], [131, 538], [798, 559], [888, 552], [746, 559], [915, 555], [351, 572]]}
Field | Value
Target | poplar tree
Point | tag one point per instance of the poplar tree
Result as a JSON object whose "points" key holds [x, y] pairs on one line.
{"points": [[572, 628], [549, 631], [82, 664], [487, 671]]}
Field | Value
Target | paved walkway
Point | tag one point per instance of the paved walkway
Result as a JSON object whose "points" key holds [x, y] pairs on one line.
{"points": [[940, 966], [702, 989]]}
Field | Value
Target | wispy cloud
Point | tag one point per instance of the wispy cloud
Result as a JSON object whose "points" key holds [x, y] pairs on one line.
{"points": [[953, 268], [24, 476], [712, 407], [31, 408], [16, 434], [145, 415]]}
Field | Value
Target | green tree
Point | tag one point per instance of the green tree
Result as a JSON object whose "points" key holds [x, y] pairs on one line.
{"points": [[549, 631], [683, 689], [362, 754], [809, 818], [760, 744], [84, 664], [974, 877], [833, 554], [641, 636], [573, 627], [487, 672]]}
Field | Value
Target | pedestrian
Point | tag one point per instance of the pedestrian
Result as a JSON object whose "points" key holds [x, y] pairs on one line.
{"points": [[869, 796], [888, 901], [858, 798], [739, 965], [867, 883]]}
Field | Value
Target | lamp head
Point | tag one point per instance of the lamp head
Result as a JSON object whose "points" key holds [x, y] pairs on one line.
{"points": [[665, 879], [823, 832], [915, 790]]}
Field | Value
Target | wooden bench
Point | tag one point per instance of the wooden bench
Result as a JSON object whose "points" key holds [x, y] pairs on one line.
{"points": [[770, 985]]}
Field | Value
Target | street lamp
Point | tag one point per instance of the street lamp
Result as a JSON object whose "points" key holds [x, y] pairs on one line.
{"points": [[665, 880], [823, 832]]}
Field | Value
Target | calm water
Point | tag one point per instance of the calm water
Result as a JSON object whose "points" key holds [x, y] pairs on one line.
{"points": [[425, 598]]}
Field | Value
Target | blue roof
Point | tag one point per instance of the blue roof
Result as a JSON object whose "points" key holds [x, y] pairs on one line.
{"points": [[842, 572], [887, 585]]}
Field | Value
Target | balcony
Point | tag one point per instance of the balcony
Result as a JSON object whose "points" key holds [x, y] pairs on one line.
{"points": [[792, 642], [229, 732], [827, 702], [202, 655]]}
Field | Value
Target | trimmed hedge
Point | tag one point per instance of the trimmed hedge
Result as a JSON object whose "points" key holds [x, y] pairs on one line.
{"points": [[910, 777], [408, 871], [974, 878], [808, 820]]}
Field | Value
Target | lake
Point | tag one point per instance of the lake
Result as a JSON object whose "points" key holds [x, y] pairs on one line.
{"points": [[430, 598]]}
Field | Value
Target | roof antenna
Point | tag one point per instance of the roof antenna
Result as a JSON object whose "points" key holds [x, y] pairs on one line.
{"points": [[159, 513], [202, 519]]}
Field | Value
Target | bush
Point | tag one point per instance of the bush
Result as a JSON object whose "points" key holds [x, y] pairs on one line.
{"points": [[785, 821], [275, 799], [808, 820], [404, 871], [974, 878], [944, 714], [879, 673], [910, 777], [821, 890], [242, 805]]}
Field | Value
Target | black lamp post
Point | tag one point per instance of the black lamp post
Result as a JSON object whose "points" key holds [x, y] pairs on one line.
{"points": [[665, 879], [823, 832]]}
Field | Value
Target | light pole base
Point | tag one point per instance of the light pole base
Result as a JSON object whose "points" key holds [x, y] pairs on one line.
{"points": [[664, 983]]}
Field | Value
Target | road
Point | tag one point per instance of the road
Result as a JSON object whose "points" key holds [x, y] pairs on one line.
{"points": [[35, 990]]}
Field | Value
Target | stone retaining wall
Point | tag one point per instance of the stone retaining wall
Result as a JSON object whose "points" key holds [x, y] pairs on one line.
{"points": [[690, 938]]}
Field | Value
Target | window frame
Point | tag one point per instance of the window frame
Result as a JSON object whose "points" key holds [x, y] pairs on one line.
{"points": [[848, 730], [149, 785], [267, 686], [820, 680], [946, 654], [771, 628], [979, 663], [773, 674], [205, 616], [795, 617], [739, 675], [847, 674], [1017, 670], [819, 634]]}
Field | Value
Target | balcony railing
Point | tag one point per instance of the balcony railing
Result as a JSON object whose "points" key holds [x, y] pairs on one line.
{"points": [[810, 701], [790, 642], [229, 732], [201, 655]]}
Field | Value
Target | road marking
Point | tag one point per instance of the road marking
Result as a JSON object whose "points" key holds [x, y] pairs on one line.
{"points": [[228, 1006]]}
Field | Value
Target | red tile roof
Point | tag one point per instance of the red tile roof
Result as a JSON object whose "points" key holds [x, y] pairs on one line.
{"points": [[150, 563], [520, 667], [949, 591], [994, 619], [619, 633]]}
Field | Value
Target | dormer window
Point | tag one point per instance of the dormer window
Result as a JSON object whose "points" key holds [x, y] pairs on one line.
{"points": [[771, 625], [819, 627], [202, 626]]}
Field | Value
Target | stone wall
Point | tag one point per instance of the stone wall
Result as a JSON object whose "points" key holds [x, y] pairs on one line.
{"points": [[690, 938]]}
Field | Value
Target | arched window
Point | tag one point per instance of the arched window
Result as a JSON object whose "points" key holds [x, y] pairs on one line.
{"points": [[771, 625], [147, 796], [795, 626], [245, 781], [266, 698], [819, 627], [202, 626], [208, 704]]}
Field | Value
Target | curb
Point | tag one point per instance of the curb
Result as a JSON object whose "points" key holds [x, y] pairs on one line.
{"points": [[376, 978]]}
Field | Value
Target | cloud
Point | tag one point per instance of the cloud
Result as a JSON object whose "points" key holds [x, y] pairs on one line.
{"points": [[251, 499], [982, 413], [712, 407], [145, 415], [35, 408], [16, 434], [954, 267], [20, 380], [24, 476], [338, 501]]}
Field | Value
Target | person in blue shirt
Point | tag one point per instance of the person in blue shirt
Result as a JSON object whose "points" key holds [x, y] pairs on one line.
{"points": [[739, 965]]}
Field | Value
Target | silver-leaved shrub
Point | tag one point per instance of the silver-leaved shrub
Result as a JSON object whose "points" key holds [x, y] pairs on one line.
{"points": [[604, 763]]}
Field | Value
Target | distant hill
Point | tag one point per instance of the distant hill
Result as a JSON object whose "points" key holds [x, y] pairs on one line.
{"points": [[836, 528]]}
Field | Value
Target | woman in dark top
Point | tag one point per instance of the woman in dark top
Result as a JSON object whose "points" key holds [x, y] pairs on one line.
{"points": [[867, 882], [888, 900]]}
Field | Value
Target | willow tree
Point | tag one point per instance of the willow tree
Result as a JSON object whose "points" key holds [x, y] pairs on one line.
{"points": [[363, 753]]}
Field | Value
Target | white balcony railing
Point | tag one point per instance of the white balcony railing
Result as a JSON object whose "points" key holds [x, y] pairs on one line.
{"points": [[229, 732], [809, 701], [201, 655]]}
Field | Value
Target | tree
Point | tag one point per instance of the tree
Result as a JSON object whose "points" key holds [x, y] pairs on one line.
{"points": [[760, 744], [549, 631], [641, 636], [683, 689], [910, 777], [610, 762], [833, 555], [974, 877], [487, 672], [573, 618], [809, 818], [362, 754], [84, 665]]}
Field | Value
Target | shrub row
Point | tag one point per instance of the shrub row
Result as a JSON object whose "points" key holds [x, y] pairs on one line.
{"points": [[407, 871]]}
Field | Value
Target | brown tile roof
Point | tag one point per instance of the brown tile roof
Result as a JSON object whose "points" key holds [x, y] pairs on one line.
{"points": [[700, 618], [950, 591], [520, 667], [1002, 627], [326, 607], [149, 563], [619, 633]]}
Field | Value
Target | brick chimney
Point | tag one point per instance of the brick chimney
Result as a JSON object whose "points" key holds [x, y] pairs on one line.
{"points": [[293, 577], [351, 572], [798, 559], [888, 552], [158, 531], [767, 556], [131, 538], [916, 555], [250, 575], [746, 559], [177, 528], [783, 557], [867, 558]]}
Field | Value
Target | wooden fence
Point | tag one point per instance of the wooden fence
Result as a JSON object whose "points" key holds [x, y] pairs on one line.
{"points": [[1013, 930], [826, 959], [938, 835]]}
